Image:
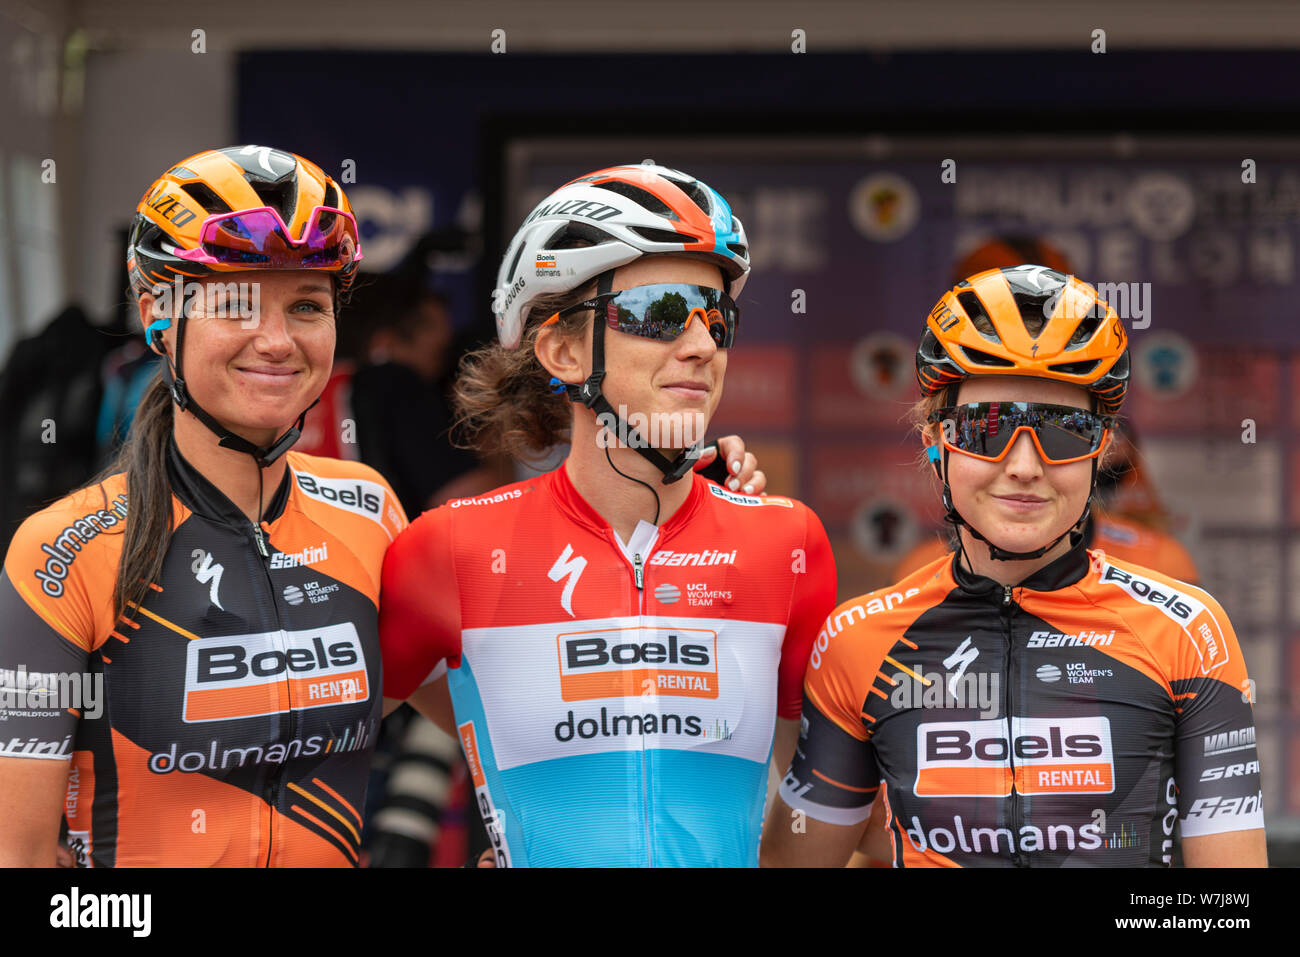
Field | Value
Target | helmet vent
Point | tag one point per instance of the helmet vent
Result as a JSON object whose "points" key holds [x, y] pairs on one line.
{"points": [[1085, 331], [1076, 368], [740, 249], [514, 264], [642, 197], [282, 196], [576, 235], [662, 235], [979, 316], [206, 197], [984, 359], [698, 195]]}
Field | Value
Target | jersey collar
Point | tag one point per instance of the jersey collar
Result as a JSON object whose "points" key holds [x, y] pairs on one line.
{"points": [[206, 500], [1060, 573], [581, 511]]}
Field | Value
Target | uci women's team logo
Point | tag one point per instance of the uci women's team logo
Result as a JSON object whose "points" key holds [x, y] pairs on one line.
{"points": [[243, 676], [629, 662]]}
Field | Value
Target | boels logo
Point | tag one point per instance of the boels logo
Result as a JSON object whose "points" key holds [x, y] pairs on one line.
{"points": [[1038, 756], [630, 662], [1196, 620], [245, 676]]}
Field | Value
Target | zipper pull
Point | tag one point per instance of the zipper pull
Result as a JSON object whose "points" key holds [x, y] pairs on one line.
{"points": [[260, 539], [1006, 594], [640, 571]]}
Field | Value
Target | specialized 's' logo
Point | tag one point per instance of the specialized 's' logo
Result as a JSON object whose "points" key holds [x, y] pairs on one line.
{"points": [[960, 659], [1036, 755], [569, 568], [627, 662], [206, 573], [242, 676]]}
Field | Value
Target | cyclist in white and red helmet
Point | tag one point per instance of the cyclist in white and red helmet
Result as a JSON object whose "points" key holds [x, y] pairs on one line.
{"points": [[620, 636]]}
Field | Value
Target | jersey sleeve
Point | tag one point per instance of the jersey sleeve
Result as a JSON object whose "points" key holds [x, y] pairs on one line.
{"points": [[47, 592], [419, 606], [1216, 764], [812, 597], [834, 776]]}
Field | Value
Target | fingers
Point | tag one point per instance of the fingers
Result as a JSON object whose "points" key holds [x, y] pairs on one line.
{"points": [[749, 479], [732, 447]]}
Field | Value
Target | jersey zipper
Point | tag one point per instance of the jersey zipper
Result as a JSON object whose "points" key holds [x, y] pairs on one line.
{"points": [[1007, 609], [638, 576], [274, 779]]}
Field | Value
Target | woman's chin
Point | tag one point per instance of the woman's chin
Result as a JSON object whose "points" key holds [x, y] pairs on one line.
{"points": [[1024, 540]]}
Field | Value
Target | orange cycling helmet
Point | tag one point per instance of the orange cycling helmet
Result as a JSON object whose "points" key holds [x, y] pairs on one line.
{"points": [[167, 230], [1028, 321], [230, 210]]}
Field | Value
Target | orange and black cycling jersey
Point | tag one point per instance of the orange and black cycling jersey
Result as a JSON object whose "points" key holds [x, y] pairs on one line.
{"points": [[229, 719], [1069, 720]]}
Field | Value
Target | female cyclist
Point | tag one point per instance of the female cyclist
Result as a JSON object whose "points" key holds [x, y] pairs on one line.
{"points": [[620, 636], [190, 653], [1024, 702]]}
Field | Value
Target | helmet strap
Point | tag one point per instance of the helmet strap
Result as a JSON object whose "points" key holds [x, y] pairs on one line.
{"points": [[589, 393], [953, 517]]}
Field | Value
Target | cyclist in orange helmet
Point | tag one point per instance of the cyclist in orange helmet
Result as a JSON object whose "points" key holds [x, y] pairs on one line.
{"points": [[210, 602], [1024, 702]]}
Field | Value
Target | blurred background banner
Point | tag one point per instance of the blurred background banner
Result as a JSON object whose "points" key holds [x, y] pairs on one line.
{"points": [[874, 155]]}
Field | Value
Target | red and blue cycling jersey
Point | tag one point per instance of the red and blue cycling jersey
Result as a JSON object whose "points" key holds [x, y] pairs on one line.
{"points": [[615, 700]]}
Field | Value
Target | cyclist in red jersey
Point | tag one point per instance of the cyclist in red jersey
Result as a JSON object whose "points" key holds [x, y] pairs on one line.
{"points": [[619, 637], [189, 667], [1024, 702]]}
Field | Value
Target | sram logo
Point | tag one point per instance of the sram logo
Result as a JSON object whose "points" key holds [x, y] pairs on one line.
{"points": [[1230, 771], [1036, 755], [629, 662], [248, 675]]}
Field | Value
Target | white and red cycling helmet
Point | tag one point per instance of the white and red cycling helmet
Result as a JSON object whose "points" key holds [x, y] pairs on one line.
{"points": [[624, 213]]}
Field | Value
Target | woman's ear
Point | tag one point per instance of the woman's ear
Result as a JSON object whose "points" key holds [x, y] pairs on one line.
{"points": [[147, 305], [933, 454], [560, 354]]}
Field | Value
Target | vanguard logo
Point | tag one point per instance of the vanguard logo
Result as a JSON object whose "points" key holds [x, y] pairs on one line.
{"points": [[244, 676], [628, 662]]}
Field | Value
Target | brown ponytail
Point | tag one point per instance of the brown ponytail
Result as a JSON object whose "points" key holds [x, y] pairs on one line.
{"points": [[143, 457]]}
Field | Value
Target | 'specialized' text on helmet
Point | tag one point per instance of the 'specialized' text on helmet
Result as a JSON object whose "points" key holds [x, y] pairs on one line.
{"points": [[608, 219]]}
